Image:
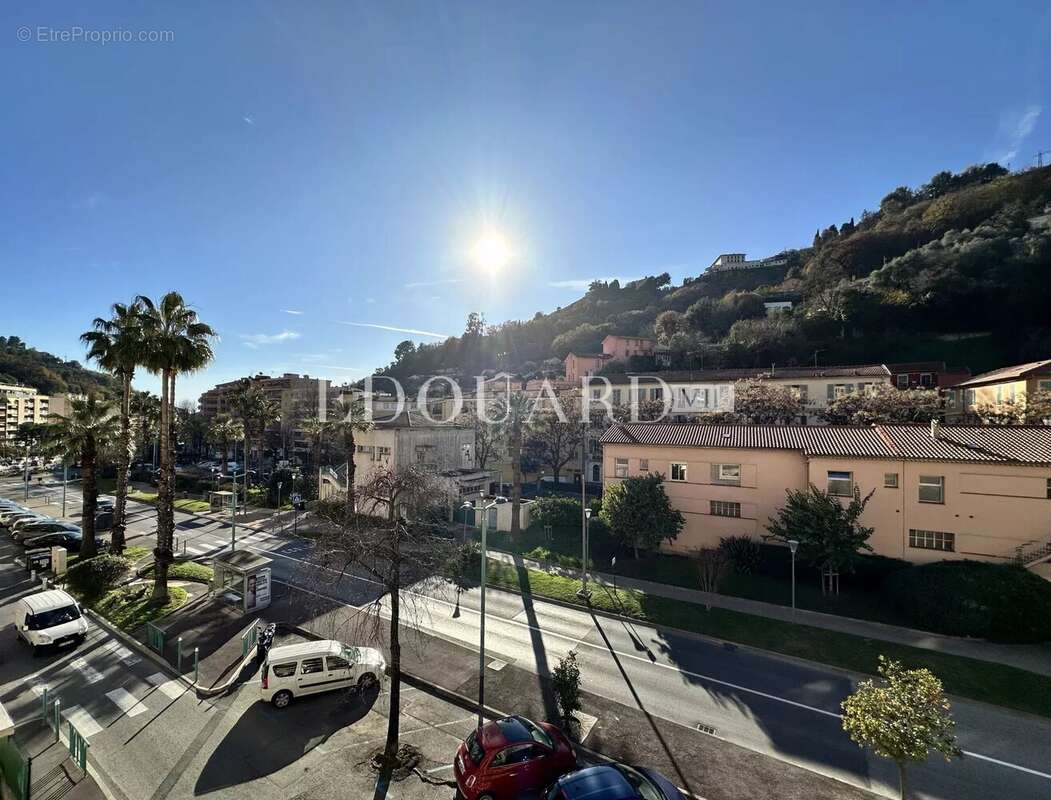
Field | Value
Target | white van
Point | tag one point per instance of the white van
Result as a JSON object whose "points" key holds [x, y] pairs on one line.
{"points": [[294, 670], [50, 618]]}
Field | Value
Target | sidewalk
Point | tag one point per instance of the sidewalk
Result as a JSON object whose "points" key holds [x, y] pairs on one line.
{"points": [[1033, 658]]}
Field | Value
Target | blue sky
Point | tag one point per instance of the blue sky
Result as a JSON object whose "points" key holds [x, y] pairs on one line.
{"points": [[339, 160]]}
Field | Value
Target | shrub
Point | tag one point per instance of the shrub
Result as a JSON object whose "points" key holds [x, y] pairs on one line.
{"points": [[871, 572], [743, 552], [999, 602], [558, 512], [93, 578], [565, 678]]}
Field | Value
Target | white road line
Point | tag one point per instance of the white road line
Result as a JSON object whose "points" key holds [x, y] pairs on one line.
{"points": [[174, 688], [82, 721], [91, 675], [126, 702]]}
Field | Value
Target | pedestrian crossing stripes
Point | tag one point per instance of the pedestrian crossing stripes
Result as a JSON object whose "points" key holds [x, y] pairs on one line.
{"points": [[82, 721], [91, 675], [121, 652], [126, 702], [173, 688]]}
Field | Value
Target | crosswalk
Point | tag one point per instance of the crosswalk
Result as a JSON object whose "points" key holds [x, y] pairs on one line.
{"points": [[211, 542]]}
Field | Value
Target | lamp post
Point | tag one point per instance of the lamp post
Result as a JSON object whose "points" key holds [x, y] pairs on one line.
{"points": [[233, 508], [585, 593], [279, 495], [481, 636], [793, 545], [65, 480]]}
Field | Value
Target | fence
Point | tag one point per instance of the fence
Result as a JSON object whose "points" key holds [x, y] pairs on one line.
{"points": [[249, 639], [16, 767], [155, 637]]}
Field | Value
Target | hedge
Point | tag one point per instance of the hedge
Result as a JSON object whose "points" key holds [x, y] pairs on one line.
{"points": [[93, 577], [999, 602]]}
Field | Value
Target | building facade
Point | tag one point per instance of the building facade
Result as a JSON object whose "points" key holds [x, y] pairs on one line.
{"points": [[938, 492], [19, 405], [732, 261], [1001, 391], [926, 375]]}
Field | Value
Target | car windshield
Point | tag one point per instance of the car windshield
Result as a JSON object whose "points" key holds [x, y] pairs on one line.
{"points": [[52, 617], [538, 733], [645, 788], [474, 747]]}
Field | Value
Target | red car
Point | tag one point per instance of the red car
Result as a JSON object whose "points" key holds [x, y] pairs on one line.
{"points": [[510, 756]]}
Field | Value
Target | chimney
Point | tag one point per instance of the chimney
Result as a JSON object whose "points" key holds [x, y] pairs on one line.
{"points": [[936, 429]]}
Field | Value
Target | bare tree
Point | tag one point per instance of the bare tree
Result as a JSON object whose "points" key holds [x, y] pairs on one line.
{"points": [[393, 540], [712, 563]]}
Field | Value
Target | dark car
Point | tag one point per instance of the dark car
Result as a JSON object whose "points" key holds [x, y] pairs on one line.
{"points": [[104, 520], [35, 529], [71, 540], [613, 782], [509, 757]]}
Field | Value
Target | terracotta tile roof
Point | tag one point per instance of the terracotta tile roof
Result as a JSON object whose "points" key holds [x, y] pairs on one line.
{"points": [[1018, 371], [711, 375], [1017, 444]]}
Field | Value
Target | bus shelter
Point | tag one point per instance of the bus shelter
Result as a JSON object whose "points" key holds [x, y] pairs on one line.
{"points": [[221, 501], [242, 578]]}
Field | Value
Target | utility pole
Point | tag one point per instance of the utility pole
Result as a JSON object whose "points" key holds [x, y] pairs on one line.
{"points": [[1040, 157]]}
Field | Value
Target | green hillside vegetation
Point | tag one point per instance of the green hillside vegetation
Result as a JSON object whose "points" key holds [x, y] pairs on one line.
{"points": [[958, 269], [46, 373]]}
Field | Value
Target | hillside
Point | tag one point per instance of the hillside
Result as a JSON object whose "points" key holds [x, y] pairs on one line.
{"points": [[958, 269], [47, 373]]}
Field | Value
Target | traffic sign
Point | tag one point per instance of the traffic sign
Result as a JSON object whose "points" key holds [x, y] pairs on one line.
{"points": [[297, 498]]}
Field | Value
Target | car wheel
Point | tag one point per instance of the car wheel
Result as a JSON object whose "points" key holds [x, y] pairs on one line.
{"points": [[281, 699], [367, 681], [486, 797]]}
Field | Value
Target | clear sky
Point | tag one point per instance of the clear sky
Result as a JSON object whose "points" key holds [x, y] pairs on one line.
{"points": [[339, 160]]}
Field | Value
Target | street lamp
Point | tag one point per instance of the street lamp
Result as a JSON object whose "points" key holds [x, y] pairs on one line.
{"points": [[584, 594], [793, 545], [279, 483], [481, 637]]}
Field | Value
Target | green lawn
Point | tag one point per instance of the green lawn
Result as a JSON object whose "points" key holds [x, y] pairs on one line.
{"points": [[128, 609], [978, 680], [190, 506], [187, 571], [132, 553]]}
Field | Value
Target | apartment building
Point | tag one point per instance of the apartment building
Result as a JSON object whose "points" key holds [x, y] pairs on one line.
{"points": [[18, 405], [926, 375], [614, 348], [939, 492], [1000, 390], [731, 261]]}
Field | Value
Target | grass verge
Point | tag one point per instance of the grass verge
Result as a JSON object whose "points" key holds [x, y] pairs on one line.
{"points": [[187, 571], [191, 506], [967, 677], [130, 608]]}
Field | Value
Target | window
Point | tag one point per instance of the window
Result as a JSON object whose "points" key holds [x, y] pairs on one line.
{"points": [[800, 391], [969, 398], [678, 472], [284, 670], [620, 468], [616, 397], [644, 465], [841, 484], [595, 393], [335, 662], [722, 508], [932, 489], [311, 665], [890, 480], [728, 472], [926, 379], [903, 381], [1043, 386], [932, 540], [658, 393], [515, 754]]}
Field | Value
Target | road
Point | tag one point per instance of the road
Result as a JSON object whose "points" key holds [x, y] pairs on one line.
{"points": [[771, 704]]}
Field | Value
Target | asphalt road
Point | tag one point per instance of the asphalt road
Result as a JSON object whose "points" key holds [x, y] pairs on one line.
{"points": [[778, 706]]}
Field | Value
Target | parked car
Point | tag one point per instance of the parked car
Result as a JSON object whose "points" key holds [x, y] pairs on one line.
{"points": [[104, 520], [49, 618], [20, 525], [295, 670], [509, 757], [39, 528], [71, 540], [12, 520], [613, 781]]}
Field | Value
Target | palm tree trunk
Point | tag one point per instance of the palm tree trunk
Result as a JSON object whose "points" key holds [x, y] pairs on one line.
{"points": [[162, 552], [350, 468], [123, 466], [88, 548], [516, 478]]}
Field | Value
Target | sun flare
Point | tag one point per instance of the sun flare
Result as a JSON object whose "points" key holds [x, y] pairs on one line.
{"points": [[492, 251]]}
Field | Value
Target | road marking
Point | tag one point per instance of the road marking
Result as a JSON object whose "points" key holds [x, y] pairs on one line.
{"points": [[91, 675], [1007, 764], [174, 688], [122, 652], [126, 702], [82, 721]]}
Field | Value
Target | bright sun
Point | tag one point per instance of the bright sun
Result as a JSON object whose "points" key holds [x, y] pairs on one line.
{"points": [[491, 252]]}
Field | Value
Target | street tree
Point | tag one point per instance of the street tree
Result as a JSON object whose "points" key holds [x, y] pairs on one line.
{"points": [[392, 540], [764, 403], [712, 565], [221, 433], [554, 442], [639, 514], [905, 717], [565, 679], [146, 412], [883, 404], [828, 530], [176, 342], [87, 434], [257, 412], [346, 418], [118, 346]]}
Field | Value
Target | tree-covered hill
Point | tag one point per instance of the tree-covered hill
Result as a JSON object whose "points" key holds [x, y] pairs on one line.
{"points": [[958, 269], [48, 374]]}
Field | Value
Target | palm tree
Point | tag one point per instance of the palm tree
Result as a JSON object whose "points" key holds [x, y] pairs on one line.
{"points": [[315, 429], [90, 429], [222, 431], [176, 341], [347, 418], [146, 408], [257, 412], [117, 345]]}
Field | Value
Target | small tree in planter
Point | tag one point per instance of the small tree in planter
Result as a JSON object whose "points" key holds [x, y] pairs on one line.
{"points": [[903, 719], [566, 681]]}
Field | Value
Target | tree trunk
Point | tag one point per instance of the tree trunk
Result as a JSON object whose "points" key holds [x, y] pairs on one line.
{"points": [[351, 469], [903, 781], [89, 504], [635, 548], [162, 552], [390, 751], [123, 466], [516, 478]]}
